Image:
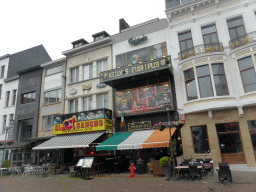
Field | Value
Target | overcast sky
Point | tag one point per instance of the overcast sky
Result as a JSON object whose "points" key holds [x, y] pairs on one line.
{"points": [[56, 23]]}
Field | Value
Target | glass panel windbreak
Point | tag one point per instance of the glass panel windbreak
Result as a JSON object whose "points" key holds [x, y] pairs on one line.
{"points": [[200, 139]]}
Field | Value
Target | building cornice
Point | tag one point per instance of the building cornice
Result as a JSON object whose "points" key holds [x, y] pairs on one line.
{"points": [[5, 56], [55, 62], [88, 47]]}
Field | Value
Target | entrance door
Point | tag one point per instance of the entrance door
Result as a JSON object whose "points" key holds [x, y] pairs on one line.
{"points": [[230, 143]]}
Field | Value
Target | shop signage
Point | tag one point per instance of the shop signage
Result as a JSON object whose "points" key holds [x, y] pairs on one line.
{"points": [[139, 125], [72, 91], [93, 120], [132, 70], [101, 85], [138, 40]]}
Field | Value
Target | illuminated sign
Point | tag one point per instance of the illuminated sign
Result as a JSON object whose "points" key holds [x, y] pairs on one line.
{"points": [[139, 125], [136, 69], [70, 126]]}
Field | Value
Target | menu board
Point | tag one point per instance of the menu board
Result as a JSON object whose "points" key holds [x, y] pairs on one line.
{"points": [[143, 99], [80, 163], [88, 161]]}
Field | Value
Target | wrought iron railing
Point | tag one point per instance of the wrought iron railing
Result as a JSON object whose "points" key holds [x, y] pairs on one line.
{"points": [[242, 40], [199, 49]]}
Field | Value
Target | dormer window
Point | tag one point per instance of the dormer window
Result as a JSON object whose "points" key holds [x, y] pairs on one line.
{"points": [[79, 43], [100, 35]]}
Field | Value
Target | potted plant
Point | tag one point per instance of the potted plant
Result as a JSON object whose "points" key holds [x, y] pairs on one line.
{"points": [[178, 124], [9, 142], [160, 126], [166, 163]]}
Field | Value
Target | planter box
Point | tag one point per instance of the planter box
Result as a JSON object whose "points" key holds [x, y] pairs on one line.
{"points": [[167, 172]]}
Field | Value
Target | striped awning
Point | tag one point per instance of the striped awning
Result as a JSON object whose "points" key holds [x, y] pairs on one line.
{"points": [[137, 140], [69, 141]]}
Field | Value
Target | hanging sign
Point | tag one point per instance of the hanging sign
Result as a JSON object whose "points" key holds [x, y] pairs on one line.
{"points": [[138, 40], [139, 125]]}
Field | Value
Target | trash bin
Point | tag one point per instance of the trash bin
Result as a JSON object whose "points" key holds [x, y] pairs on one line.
{"points": [[141, 167]]}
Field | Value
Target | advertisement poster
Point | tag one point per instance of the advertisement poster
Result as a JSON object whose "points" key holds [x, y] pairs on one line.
{"points": [[143, 99]]}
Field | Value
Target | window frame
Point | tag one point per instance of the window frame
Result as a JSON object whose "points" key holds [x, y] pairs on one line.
{"points": [[219, 74], [59, 66], [76, 102], [209, 146], [22, 98], [7, 98], [210, 34], [204, 77], [186, 40], [1, 90], [103, 100], [76, 74], [90, 65], [2, 71], [233, 19], [250, 131], [102, 68], [4, 123], [14, 95], [45, 122], [48, 103], [188, 83], [88, 103]]}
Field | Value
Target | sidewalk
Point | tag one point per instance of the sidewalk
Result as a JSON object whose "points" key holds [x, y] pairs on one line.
{"points": [[241, 167]]}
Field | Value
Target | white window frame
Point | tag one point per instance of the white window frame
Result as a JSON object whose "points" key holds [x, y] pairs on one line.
{"points": [[76, 78], [74, 107], [103, 100], [7, 98], [56, 69], [89, 105], [102, 66], [86, 71], [45, 122]]}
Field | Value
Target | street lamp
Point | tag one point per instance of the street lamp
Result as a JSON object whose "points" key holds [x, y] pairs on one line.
{"points": [[6, 131]]}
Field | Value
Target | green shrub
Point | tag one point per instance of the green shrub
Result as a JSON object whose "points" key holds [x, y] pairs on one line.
{"points": [[6, 164], [165, 161]]}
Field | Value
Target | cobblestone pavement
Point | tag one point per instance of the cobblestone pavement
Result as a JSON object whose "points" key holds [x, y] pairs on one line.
{"points": [[243, 181]]}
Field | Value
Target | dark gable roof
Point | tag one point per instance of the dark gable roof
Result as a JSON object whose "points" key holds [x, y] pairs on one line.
{"points": [[26, 59]]}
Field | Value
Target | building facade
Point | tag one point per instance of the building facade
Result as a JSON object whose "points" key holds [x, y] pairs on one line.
{"points": [[213, 47]]}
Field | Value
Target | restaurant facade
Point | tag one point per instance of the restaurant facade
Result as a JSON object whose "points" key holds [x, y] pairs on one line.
{"points": [[144, 92]]}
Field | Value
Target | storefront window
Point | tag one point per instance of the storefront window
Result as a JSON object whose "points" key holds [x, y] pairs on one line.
{"points": [[200, 139], [229, 138], [152, 97], [252, 129], [141, 55]]}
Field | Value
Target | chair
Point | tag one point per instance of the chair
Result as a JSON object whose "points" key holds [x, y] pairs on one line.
{"points": [[150, 167], [16, 170], [208, 166], [72, 171], [28, 171], [157, 169], [223, 164], [179, 160], [194, 172], [49, 171], [224, 173]]}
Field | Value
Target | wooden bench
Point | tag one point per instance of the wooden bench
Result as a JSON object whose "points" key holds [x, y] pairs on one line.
{"points": [[157, 169]]}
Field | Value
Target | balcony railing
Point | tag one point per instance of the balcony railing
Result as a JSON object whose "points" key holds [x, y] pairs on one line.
{"points": [[242, 40], [199, 49]]}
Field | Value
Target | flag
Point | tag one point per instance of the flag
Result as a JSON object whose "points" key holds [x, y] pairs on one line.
{"points": [[122, 124]]}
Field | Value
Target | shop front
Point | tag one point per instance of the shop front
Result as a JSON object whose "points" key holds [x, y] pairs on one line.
{"points": [[77, 134]]}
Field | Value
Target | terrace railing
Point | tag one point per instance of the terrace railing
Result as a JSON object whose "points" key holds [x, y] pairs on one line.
{"points": [[199, 49], [242, 40]]}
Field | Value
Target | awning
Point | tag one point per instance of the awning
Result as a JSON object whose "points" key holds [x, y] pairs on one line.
{"points": [[137, 140], [69, 141], [16, 145]]}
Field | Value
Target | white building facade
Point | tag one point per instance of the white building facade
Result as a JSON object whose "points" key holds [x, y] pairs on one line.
{"points": [[213, 48]]}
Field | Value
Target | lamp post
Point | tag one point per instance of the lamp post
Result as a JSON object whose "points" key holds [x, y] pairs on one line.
{"points": [[6, 131]]}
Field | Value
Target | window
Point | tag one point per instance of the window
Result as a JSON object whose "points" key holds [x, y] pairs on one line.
{"points": [[11, 117], [73, 106], [54, 70], [229, 138], [210, 34], [236, 28], [7, 98], [247, 71], [209, 85], [87, 71], [102, 101], [74, 75], [14, 93], [52, 96], [190, 84], [2, 71], [48, 122], [1, 90], [200, 139], [141, 55], [25, 130], [87, 102], [28, 97], [204, 81], [4, 123], [102, 66], [252, 129], [185, 41]]}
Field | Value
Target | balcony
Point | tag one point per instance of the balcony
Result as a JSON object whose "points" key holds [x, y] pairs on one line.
{"points": [[242, 40], [199, 49]]}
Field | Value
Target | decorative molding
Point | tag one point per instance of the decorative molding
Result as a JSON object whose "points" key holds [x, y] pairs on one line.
{"points": [[87, 87], [210, 114], [248, 96], [240, 111], [208, 101]]}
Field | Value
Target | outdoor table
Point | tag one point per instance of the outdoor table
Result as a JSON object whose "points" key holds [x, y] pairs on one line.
{"points": [[2, 170], [186, 167]]}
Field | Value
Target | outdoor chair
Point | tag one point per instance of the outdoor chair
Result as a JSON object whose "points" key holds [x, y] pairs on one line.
{"points": [[49, 171], [194, 172], [27, 171], [157, 169], [150, 167], [72, 171], [223, 164], [208, 166], [15, 170], [224, 173]]}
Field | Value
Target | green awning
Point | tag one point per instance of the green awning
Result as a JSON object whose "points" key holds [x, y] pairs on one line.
{"points": [[112, 142]]}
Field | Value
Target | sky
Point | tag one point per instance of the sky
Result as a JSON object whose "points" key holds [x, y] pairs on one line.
{"points": [[57, 23]]}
